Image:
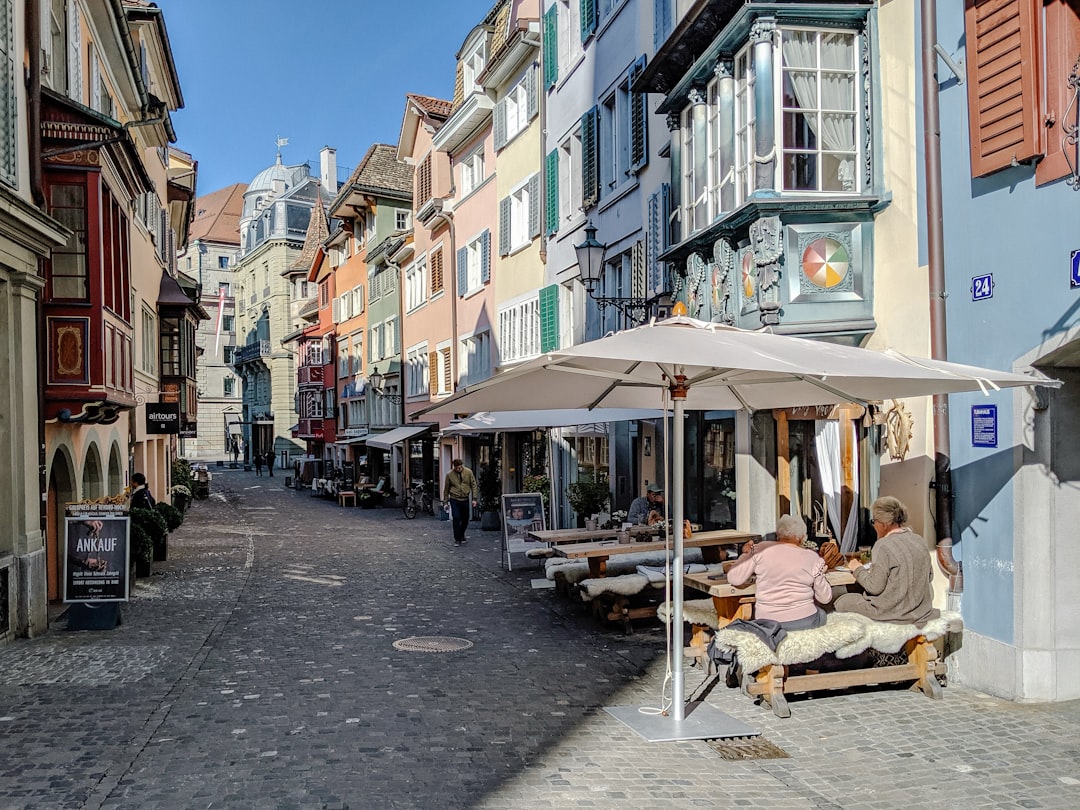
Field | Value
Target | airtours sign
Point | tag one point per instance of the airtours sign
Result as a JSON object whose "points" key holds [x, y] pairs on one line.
{"points": [[162, 417]]}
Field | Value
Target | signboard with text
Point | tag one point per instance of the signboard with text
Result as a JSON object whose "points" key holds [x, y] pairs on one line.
{"points": [[96, 557], [162, 418], [984, 426]]}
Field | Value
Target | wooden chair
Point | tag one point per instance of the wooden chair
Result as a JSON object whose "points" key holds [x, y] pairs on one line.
{"points": [[346, 496]]}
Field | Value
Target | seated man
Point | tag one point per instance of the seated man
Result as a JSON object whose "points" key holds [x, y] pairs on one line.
{"points": [[790, 579], [648, 508]]}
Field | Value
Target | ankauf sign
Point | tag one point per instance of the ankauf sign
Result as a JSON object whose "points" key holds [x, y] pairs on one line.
{"points": [[162, 417]]}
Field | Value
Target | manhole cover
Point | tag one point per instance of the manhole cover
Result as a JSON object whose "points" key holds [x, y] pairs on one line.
{"points": [[432, 644], [746, 748]]}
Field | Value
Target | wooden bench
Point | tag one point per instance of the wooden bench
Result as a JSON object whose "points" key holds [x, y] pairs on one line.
{"points": [[346, 497]]}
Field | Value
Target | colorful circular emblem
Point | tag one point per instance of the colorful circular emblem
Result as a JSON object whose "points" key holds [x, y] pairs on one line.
{"points": [[749, 272], [717, 283], [825, 262]]}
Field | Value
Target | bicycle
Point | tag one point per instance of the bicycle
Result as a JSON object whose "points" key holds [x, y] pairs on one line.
{"points": [[417, 498]]}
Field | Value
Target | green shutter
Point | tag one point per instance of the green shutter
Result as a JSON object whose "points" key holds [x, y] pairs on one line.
{"points": [[8, 99], [588, 18], [639, 124], [549, 318], [590, 179], [551, 46], [552, 181]]}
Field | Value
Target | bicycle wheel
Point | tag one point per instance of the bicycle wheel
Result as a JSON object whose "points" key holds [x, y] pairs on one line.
{"points": [[408, 506], [428, 504]]}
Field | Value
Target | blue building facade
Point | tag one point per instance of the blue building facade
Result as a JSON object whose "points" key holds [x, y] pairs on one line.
{"points": [[1010, 203]]}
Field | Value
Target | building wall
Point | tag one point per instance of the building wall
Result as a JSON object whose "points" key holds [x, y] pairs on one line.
{"points": [[1017, 505]]}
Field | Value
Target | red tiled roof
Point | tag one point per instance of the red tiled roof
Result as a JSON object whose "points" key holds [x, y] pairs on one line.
{"points": [[217, 216], [432, 106]]}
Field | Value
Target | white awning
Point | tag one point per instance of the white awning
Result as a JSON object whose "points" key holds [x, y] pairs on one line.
{"points": [[384, 441], [499, 421], [352, 440], [235, 428]]}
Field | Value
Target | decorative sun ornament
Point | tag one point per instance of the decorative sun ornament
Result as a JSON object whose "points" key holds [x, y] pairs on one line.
{"points": [[748, 275], [825, 262]]}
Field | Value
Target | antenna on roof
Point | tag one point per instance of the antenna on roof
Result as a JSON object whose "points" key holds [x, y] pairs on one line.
{"points": [[280, 143]]}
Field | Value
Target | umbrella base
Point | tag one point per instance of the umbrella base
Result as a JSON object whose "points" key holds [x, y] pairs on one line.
{"points": [[702, 722]]}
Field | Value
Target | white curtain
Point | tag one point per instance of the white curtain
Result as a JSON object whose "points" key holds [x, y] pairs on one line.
{"points": [[836, 130], [827, 447]]}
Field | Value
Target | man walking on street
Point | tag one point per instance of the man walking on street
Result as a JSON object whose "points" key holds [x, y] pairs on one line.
{"points": [[258, 462], [270, 462], [460, 490]]}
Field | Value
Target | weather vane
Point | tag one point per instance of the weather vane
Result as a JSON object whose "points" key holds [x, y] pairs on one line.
{"points": [[280, 143]]}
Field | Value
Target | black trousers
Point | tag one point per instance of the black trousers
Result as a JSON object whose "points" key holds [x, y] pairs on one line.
{"points": [[459, 515]]}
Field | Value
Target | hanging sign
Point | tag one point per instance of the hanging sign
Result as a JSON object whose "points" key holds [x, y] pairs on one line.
{"points": [[162, 417]]}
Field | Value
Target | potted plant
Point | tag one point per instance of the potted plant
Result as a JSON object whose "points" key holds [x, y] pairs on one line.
{"points": [[173, 520], [148, 531], [588, 498], [489, 487], [181, 496]]}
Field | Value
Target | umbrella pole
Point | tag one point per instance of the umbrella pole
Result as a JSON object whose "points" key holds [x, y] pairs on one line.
{"points": [[678, 475]]}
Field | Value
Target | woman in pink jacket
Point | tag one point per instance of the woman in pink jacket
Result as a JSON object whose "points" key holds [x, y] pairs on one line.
{"points": [[790, 579]]}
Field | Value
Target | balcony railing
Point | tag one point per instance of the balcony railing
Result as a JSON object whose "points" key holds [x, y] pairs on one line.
{"points": [[252, 351]]}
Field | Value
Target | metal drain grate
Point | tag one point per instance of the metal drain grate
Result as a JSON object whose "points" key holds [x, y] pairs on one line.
{"points": [[432, 644], [746, 748]]}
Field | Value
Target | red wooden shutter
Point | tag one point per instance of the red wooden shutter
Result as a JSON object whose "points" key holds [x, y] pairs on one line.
{"points": [[1003, 81], [436, 272], [1061, 38]]}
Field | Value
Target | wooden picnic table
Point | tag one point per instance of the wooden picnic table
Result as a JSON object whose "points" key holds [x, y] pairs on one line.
{"points": [[597, 553], [738, 603], [554, 537]]}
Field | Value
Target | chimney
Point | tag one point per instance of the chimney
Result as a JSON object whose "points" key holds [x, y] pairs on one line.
{"points": [[328, 170]]}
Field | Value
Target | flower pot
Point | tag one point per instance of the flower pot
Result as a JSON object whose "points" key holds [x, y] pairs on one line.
{"points": [[161, 548], [143, 568], [181, 502], [490, 522]]}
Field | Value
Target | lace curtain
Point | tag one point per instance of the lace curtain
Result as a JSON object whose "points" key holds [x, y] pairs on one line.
{"points": [[827, 447]]}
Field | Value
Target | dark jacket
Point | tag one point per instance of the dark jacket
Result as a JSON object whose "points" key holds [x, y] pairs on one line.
{"points": [[141, 497]]}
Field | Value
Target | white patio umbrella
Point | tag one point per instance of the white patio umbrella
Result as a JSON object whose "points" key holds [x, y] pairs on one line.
{"points": [[707, 366]]}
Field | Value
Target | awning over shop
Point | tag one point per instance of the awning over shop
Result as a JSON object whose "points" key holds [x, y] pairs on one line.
{"points": [[235, 428], [499, 421], [352, 440], [384, 441]]}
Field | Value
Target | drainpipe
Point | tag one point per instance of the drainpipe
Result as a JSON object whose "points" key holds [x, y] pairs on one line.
{"points": [[448, 218], [943, 496]]}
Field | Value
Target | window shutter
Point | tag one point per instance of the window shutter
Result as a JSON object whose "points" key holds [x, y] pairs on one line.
{"points": [[360, 298], [637, 270], [551, 46], [552, 182], [462, 271], [532, 105], [422, 189], [1003, 100], [654, 234], [433, 372], [95, 82], [500, 124], [504, 226], [8, 105], [588, 18], [485, 257], [661, 22], [549, 318], [639, 124], [74, 53], [590, 180], [436, 271], [447, 380], [534, 205], [335, 311]]}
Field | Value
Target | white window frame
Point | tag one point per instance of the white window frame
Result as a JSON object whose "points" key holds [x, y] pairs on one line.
{"points": [[472, 65], [570, 179], [416, 284], [516, 104], [474, 252], [569, 34], [402, 219], [519, 217], [474, 358], [519, 330], [613, 159], [472, 171], [418, 376]]}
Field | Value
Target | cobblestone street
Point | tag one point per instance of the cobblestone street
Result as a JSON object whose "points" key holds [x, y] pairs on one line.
{"points": [[256, 668]]}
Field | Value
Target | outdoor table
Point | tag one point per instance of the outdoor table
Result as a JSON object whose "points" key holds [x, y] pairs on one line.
{"points": [[554, 537], [737, 603], [597, 554]]}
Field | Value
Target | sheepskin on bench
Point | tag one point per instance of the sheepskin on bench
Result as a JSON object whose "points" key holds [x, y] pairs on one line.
{"points": [[695, 611], [572, 571], [844, 634], [631, 584]]}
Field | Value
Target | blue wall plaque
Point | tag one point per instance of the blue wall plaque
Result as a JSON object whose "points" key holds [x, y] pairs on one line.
{"points": [[984, 426], [982, 287], [1074, 277]]}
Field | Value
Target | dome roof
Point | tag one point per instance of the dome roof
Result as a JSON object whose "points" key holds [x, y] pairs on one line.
{"points": [[264, 180]]}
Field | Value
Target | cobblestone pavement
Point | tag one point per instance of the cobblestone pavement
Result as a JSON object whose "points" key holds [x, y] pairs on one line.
{"points": [[256, 669]]}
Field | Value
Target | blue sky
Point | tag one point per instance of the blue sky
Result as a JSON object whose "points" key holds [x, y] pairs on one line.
{"points": [[318, 72]]}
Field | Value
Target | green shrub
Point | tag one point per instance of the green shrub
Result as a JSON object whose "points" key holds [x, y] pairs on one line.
{"points": [[182, 474], [142, 547], [173, 516], [150, 521], [587, 498]]}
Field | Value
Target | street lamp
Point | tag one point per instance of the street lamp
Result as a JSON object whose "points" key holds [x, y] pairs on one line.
{"points": [[590, 256], [376, 380]]}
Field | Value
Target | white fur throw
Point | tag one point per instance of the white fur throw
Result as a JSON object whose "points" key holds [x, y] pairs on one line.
{"points": [[695, 611], [574, 570], [845, 634], [624, 585]]}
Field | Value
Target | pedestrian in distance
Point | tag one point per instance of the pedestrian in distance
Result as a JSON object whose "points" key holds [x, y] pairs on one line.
{"points": [[270, 462], [258, 463], [140, 495], [460, 491]]}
